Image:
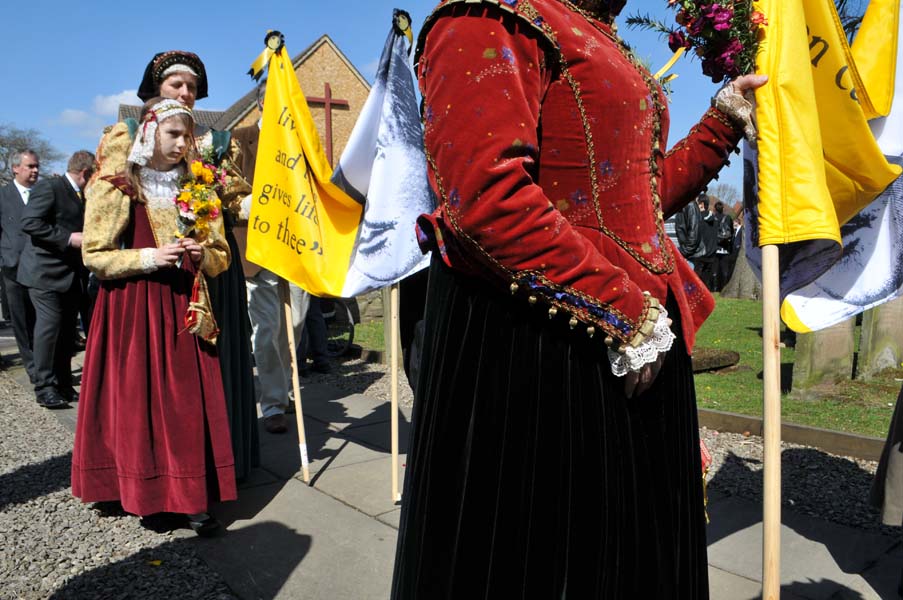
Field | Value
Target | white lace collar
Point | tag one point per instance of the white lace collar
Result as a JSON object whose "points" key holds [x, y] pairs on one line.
{"points": [[160, 187]]}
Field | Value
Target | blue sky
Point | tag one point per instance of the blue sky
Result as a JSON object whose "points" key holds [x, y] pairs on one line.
{"points": [[69, 66]]}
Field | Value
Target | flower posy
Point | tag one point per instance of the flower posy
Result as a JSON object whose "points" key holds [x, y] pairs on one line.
{"points": [[197, 200], [724, 34]]}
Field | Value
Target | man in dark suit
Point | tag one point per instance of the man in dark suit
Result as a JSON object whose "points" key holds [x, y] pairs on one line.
{"points": [[13, 198], [51, 267]]}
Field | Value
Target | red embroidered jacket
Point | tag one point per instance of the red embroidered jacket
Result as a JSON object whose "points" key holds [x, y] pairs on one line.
{"points": [[545, 141]]}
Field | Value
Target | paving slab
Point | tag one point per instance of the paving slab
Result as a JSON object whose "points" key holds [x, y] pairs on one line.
{"points": [[379, 435], [727, 586], [365, 486], [819, 560], [327, 450], [391, 518], [292, 541]]}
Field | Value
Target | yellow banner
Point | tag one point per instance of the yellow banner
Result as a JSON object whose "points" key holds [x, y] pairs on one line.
{"points": [[818, 161], [875, 54], [301, 227]]}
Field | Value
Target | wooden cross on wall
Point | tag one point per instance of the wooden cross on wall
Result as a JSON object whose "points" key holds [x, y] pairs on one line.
{"points": [[327, 101]]}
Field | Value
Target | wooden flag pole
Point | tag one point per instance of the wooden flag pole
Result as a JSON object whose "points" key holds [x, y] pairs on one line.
{"points": [[393, 368], [286, 297], [771, 377]]}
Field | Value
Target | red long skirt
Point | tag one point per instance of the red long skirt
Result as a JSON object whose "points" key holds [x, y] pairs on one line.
{"points": [[152, 428]]}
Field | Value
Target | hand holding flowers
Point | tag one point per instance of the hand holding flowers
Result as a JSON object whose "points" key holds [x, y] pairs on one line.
{"points": [[193, 248]]}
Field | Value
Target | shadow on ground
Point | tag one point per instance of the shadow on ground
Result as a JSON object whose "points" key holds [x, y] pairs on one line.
{"points": [[811, 482], [33, 481], [824, 588], [168, 570]]}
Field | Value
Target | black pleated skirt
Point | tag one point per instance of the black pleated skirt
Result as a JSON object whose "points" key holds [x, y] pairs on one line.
{"points": [[530, 475], [229, 297]]}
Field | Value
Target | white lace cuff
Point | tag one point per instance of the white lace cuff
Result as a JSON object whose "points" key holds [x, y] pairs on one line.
{"points": [[738, 107], [635, 358], [148, 265]]}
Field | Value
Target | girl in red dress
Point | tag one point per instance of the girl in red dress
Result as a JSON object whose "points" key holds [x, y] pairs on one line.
{"points": [[152, 428]]}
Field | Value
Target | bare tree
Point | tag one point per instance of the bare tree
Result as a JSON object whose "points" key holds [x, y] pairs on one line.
{"points": [[14, 139], [727, 193]]}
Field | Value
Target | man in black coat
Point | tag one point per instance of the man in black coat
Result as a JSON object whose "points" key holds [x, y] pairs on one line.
{"points": [[686, 226], [13, 199], [704, 263], [51, 267]]}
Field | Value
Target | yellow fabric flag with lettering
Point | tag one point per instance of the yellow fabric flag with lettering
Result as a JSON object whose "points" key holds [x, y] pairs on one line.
{"points": [[817, 163], [301, 225], [875, 54]]}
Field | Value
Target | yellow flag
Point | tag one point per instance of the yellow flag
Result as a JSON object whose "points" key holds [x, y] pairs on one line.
{"points": [[875, 53], [302, 227], [818, 161]]}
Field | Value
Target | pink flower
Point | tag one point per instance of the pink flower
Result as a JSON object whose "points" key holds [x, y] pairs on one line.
{"points": [[720, 16], [733, 48]]}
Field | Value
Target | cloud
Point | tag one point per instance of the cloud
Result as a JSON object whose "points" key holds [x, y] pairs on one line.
{"points": [[108, 106], [90, 123], [71, 117], [84, 124]]}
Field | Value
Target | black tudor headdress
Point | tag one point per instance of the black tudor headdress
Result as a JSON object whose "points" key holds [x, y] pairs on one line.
{"points": [[164, 64]]}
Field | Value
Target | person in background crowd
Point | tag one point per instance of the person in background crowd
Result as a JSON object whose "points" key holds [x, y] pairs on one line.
{"points": [[314, 340], [724, 228], [13, 200], [52, 270], [736, 245], [704, 262], [686, 228]]}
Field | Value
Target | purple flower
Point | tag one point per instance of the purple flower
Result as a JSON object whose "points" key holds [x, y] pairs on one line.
{"points": [[720, 16], [676, 40], [732, 48]]}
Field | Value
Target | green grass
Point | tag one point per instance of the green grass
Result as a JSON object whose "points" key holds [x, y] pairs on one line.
{"points": [[369, 335], [852, 406]]}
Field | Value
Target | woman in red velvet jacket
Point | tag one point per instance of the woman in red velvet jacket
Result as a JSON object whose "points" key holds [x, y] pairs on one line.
{"points": [[555, 449]]}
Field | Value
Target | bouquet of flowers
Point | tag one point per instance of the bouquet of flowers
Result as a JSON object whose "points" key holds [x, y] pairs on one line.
{"points": [[723, 33], [197, 200], [198, 204]]}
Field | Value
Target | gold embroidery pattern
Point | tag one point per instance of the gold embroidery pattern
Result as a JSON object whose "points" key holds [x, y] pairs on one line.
{"points": [[658, 110]]}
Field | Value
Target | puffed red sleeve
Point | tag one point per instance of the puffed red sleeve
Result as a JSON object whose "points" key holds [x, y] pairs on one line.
{"points": [[482, 77], [696, 159]]}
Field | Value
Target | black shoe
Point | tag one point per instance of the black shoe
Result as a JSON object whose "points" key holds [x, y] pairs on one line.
{"points": [[204, 526], [109, 508], [163, 522], [70, 395], [52, 399]]}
